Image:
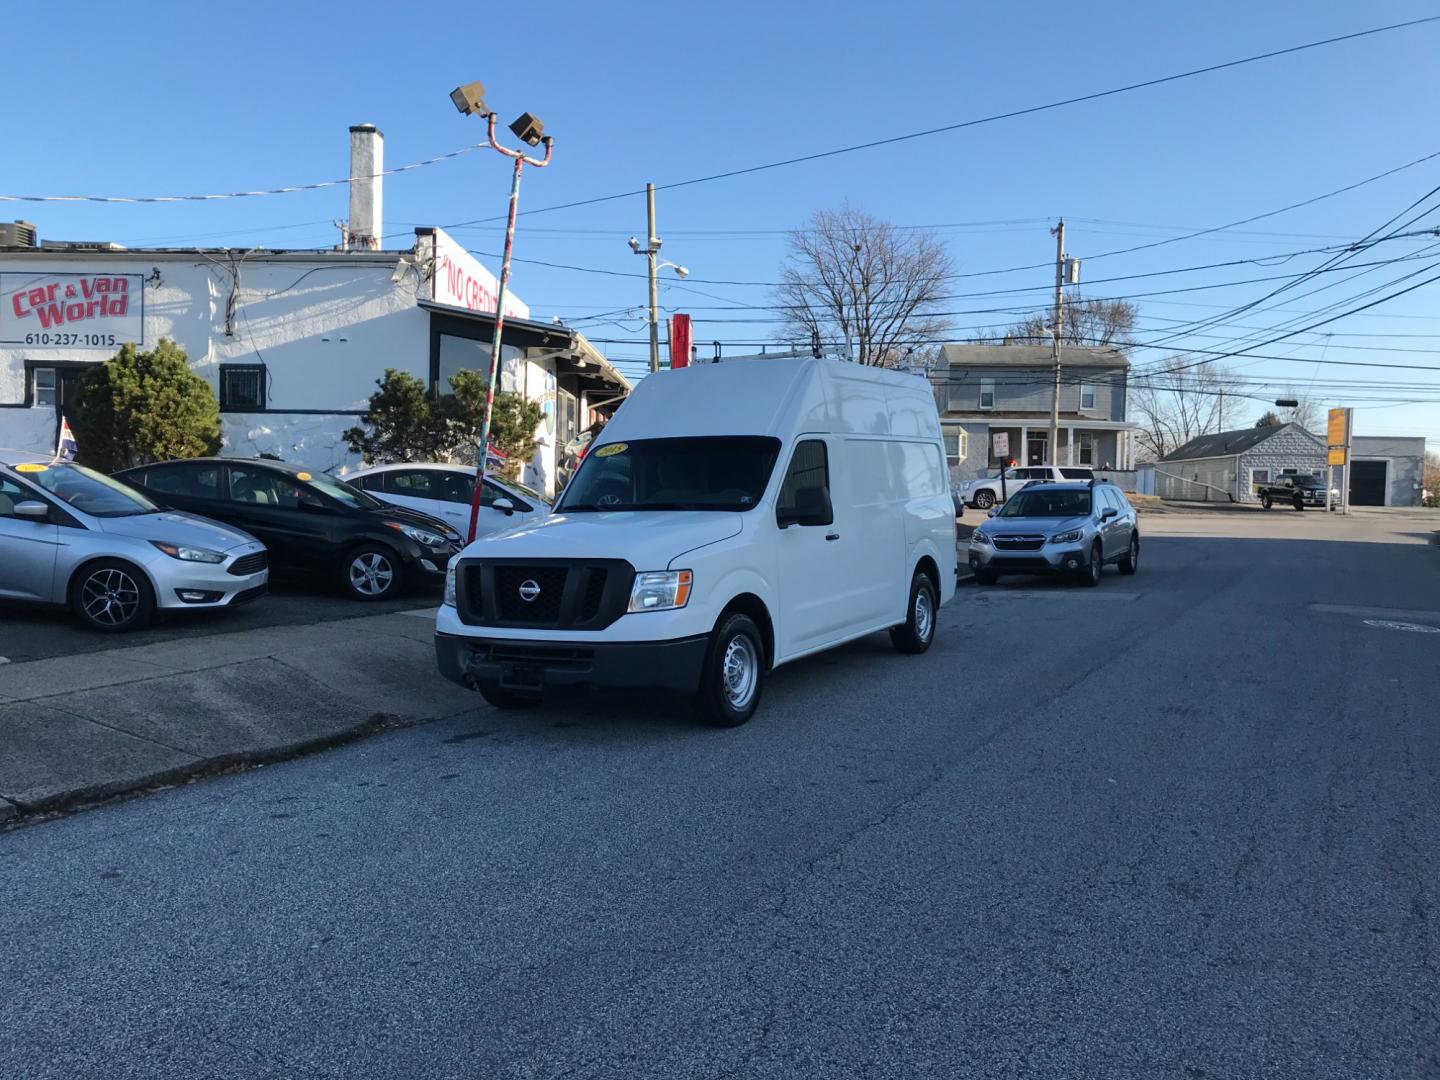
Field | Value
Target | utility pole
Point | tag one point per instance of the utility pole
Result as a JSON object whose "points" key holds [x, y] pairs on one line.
{"points": [[1221, 421], [652, 250], [1059, 233]]}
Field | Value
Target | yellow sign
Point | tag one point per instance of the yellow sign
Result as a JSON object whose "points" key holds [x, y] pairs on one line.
{"points": [[612, 449], [1337, 456], [1336, 431], [302, 476], [30, 466]]}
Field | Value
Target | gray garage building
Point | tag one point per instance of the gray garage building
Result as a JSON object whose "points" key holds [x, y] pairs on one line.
{"points": [[1226, 466], [1386, 470]]}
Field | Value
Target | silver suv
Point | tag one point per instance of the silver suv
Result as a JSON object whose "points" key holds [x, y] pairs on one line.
{"points": [[1067, 528]]}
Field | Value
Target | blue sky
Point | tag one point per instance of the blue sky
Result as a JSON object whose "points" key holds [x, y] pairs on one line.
{"points": [[170, 98]]}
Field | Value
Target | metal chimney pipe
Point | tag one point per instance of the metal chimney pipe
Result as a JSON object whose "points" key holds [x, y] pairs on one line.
{"points": [[367, 161]]}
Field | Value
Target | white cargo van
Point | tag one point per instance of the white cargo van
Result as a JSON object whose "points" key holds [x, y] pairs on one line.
{"points": [[731, 518]]}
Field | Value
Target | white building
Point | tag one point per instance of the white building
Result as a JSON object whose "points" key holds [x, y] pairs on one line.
{"points": [[293, 342]]}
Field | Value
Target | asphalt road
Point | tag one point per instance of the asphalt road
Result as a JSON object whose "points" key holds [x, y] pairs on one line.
{"points": [[1186, 825], [38, 633]]}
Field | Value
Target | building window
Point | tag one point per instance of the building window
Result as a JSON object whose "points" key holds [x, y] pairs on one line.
{"points": [[987, 393], [45, 386], [1085, 442], [242, 387], [957, 445], [1087, 396]]}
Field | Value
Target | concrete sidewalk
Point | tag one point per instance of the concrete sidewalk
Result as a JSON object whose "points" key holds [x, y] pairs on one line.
{"points": [[76, 729]]}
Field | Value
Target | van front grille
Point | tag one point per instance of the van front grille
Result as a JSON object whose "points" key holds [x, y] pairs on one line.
{"points": [[549, 594]]}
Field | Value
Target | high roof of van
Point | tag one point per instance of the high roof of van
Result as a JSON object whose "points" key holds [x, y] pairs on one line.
{"points": [[783, 398]]}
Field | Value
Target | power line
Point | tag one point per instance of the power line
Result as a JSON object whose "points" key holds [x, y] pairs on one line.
{"points": [[1259, 260], [1012, 114], [243, 194]]}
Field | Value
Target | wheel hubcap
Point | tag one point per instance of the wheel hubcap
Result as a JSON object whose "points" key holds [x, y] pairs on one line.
{"points": [[370, 574], [924, 620], [740, 672], [110, 597]]}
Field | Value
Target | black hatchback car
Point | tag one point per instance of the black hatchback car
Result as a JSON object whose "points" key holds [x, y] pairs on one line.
{"points": [[310, 522]]}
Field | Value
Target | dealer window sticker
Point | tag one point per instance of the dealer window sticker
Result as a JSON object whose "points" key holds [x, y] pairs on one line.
{"points": [[612, 449], [31, 467]]}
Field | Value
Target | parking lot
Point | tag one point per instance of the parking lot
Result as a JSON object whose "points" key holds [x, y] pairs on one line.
{"points": [[38, 633], [1092, 832]]}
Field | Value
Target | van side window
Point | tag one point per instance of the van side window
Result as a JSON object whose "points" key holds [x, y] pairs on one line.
{"points": [[809, 468]]}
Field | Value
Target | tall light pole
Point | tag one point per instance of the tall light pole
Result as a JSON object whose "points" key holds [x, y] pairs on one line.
{"points": [[651, 250], [470, 99]]}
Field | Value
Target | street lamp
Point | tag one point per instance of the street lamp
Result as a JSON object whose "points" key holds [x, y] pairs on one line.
{"points": [[650, 250], [470, 100]]}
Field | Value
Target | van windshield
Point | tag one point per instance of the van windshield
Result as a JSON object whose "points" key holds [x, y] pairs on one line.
{"points": [[703, 473]]}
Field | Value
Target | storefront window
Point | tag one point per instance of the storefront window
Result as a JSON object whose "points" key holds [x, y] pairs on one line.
{"points": [[45, 386], [471, 354]]}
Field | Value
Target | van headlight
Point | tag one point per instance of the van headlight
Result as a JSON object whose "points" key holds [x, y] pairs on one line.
{"points": [[449, 598], [1071, 537], [663, 590]]}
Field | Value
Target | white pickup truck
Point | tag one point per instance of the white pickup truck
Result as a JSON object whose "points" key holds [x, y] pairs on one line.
{"points": [[986, 492]]}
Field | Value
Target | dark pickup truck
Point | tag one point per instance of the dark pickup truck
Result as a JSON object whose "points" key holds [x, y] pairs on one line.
{"points": [[1296, 491]]}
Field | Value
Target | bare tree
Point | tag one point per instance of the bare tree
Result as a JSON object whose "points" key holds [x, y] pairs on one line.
{"points": [[1431, 479], [865, 290], [1306, 413], [1086, 322], [1174, 403], [1269, 418]]}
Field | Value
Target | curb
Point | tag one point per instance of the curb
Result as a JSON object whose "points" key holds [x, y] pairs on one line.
{"points": [[15, 815]]}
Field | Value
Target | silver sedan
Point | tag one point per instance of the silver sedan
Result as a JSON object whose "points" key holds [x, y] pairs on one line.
{"points": [[72, 536]]}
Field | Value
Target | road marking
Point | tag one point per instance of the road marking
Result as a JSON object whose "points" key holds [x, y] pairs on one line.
{"points": [[1053, 594], [1390, 624], [419, 613], [4, 659], [1400, 614]]}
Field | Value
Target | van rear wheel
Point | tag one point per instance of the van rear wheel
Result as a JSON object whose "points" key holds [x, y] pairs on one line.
{"points": [[734, 673], [916, 633]]}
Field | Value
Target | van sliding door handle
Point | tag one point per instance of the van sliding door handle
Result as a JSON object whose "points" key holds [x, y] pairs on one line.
{"points": [[832, 536]]}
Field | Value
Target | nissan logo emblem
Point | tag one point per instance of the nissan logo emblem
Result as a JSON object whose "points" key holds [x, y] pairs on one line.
{"points": [[529, 590]]}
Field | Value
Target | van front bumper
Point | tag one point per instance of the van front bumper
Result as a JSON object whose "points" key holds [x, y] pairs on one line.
{"points": [[535, 666]]}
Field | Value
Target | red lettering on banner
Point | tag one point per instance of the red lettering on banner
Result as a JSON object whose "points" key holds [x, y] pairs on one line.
{"points": [[97, 298]]}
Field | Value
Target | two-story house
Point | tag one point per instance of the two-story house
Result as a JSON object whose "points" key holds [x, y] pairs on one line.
{"points": [[984, 389]]}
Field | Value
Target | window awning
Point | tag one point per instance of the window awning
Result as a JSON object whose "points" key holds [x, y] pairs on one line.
{"points": [[573, 354]]}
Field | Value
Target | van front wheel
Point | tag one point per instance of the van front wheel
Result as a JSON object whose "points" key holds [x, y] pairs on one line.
{"points": [[916, 633], [734, 673]]}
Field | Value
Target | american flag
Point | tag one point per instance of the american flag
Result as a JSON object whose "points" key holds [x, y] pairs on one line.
{"points": [[65, 446], [495, 459]]}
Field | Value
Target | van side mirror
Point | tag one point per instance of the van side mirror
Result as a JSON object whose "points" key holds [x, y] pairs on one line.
{"points": [[504, 505], [811, 507], [33, 509]]}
